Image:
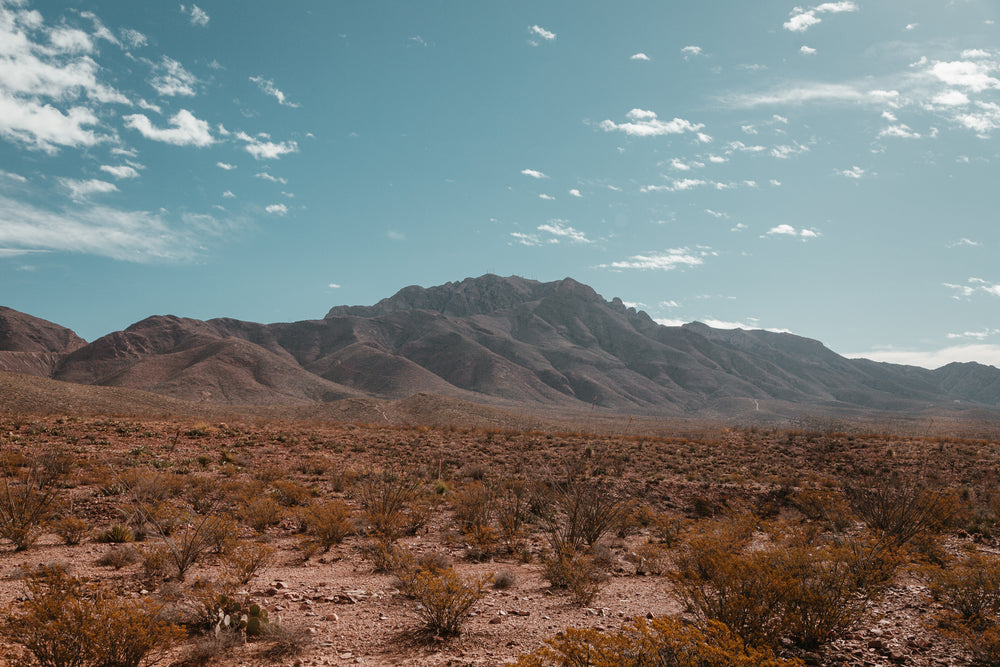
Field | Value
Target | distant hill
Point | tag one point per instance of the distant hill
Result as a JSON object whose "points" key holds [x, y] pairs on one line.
{"points": [[503, 342]]}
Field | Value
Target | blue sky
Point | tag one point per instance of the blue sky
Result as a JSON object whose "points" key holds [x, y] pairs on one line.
{"points": [[824, 169]]}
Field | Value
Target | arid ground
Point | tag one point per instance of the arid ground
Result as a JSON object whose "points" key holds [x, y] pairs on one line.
{"points": [[298, 518]]}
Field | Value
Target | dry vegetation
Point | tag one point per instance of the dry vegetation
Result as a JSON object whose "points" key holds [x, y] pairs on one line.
{"points": [[134, 542]]}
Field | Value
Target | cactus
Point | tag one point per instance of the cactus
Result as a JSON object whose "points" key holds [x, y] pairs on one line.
{"points": [[236, 616]]}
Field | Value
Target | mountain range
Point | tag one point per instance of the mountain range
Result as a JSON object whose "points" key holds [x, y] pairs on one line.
{"points": [[504, 342]]}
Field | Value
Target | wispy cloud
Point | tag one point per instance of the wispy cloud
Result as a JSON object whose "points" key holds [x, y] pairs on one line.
{"points": [[537, 32], [132, 236], [225, 165], [789, 230], [79, 190], [643, 123], [971, 287], [261, 147], [120, 171], [668, 260], [170, 79], [976, 335], [276, 209], [546, 197], [560, 230], [854, 172], [185, 129], [534, 173], [964, 242], [268, 88], [196, 15], [803, 19], [263, 175], [691, 51]]}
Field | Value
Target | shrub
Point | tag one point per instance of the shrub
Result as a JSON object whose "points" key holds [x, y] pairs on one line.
{"points": [[384, 498], [446, 599], [64, 622], [504, 579], [70, 529], [575, 571], [589, 510], [118, 557], [116, 534], [970, 587], [243, 562], [259, 512], [327, 523], [900, 510], [26, 504], [662, 641], [808, 593]]}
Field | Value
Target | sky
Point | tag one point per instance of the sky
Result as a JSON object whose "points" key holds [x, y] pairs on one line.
{"points": [[825, 169]]}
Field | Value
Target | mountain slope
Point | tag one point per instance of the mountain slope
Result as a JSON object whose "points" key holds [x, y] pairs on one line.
{"points": [[505, 341]]}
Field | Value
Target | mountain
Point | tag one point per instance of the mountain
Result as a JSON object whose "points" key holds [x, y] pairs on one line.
{"points": [[31, 345], [505, 342]]}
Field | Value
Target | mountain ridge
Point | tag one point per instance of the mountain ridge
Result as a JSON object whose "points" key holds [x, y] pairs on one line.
{"points": [[500, 341]]}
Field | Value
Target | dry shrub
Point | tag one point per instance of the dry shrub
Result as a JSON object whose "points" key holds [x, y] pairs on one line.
{"points": [[970, 587], [242, 562], [285, 642], [291, 494], [326, 523], [384, 554], [575, 571], [119, 533], [26, 504], [900, 509], [824, 505], [660, 641], [70, 529], [118, 557], [445, 599], [808, 593], [259, 512], [652, 558], [504, 579], [65, 622], [385, 498], [589, 509]]}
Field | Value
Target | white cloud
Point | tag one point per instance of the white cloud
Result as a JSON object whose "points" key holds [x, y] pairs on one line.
{"points": [[185, 130], [854, 172], [775, 182], [133, 236], [276, 209], [912, 26], [14, 177], [268, 177], [964, 242], [951, 98], [546, 197], [717, 159], [783, 152], [334, 286], [807, 50], [900, 131], [120, 171], [977, 335], [981, 353], [43, 127], [985, 119], [972, 286], [788, 230], [575, 193], [716, 214], [639, 56], [800, 93], [268, 88], [134, 38], [676, 186], [541, 33], [171, 79], [262, 148], [228, 194], [667, 260], [534, 173], [803, 19], [196, 14], [642, 123], [559, 229], [526, 239], [972, 75], [79, 190], [691, 51], [225, 165]]}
